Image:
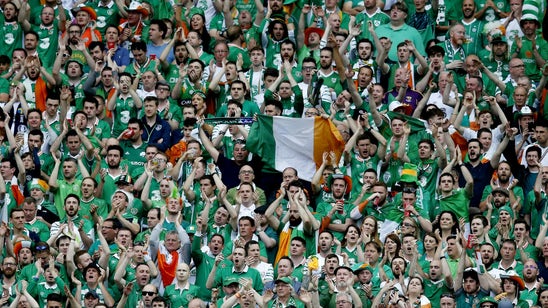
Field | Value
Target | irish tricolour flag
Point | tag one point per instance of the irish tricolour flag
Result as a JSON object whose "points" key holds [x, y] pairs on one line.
{"points": [[294, 142]]}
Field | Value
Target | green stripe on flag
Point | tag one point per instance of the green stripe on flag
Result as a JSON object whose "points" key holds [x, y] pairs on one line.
{"points": [[260, 140]]}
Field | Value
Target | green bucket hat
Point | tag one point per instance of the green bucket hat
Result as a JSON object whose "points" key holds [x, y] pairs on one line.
{"points": [[409, 174]]}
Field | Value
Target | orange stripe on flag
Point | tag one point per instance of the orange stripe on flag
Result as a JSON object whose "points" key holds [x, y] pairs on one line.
{"points": [[326, 138]]}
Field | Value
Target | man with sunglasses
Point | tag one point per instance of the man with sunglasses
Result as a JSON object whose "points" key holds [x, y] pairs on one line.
{"points": [[140, 292]]}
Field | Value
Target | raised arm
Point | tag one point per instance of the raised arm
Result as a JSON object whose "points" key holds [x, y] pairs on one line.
{"points": [[496, 156], [23, 17], [274, 221], [423, 101], [55, 172], [377, 117], [542, 233], [457, 283], [214, 84], [440, 150], [355, 30], [501, 85], [208, 144], [457, 124], [56, 71], [187, 185], [469, 186], [423, 65]]}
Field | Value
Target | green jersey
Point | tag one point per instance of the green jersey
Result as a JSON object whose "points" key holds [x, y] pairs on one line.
{"points": [[48, 43], [62, 191], [337, 217], [249, 109], [292, 106], [103, 208], [163, 9], [137, 153], [332, 81], [188, 89], [181, 297], [526, 54], [233, 53], [226, 269], [171, 75], [434, 289], [149, 65], [358, 167], [40, 228], [490, 15], [125, 109], [377, 18], [12, 34], [474, 37], [107, 15]]}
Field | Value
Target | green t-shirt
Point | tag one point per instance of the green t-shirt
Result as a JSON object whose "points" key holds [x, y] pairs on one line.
{"points": [[181, 297], [490, 15], [358, 167], [292, 106], [474, 37], [125, 109], [378, 18], [149, 65], [108, 15], [234, 51], [40, 228], [103, 208], [225, 270], [249, 109], [48, 43], [12, 34], [337, 218], [61, 192], [137, 162], [526, 55]]}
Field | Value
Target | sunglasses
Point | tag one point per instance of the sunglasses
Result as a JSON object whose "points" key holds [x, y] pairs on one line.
{"points": [[41, 248], [409, 190]]}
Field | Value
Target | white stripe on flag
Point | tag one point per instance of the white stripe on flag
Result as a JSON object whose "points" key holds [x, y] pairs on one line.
{"points": [[295, 145]]}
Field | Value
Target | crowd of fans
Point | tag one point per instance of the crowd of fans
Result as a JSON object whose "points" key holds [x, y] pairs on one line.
{"points": [[125, 180]]}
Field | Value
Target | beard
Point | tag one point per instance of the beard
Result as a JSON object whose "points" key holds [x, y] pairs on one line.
{"points": [[295, 222]]}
